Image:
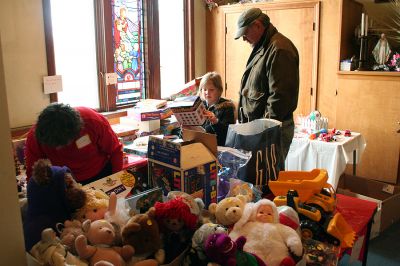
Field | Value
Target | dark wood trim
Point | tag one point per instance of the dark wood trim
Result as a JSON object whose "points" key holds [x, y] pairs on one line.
{"points": [[109, 54], [48, 36], [153, 50], [100, 53], [189, 40]]}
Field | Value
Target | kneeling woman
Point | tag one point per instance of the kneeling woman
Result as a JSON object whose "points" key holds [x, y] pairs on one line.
{"points": [[220, 112]]}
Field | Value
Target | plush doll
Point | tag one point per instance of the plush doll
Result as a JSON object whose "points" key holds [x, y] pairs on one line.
{"points": [[100, 235], [229, 210], [196, 255], [221, 249], [196, 205], [53, 196], [68, 233], [142, 232], [95, 207], [50, 251], [266, 237], [177, 221]]}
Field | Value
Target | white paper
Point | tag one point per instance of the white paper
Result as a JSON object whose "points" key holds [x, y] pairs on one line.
{"points": [[52, 84], [111, 78]]}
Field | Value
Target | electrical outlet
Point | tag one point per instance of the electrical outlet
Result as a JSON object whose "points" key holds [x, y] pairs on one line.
{"points": [[388, 189]]}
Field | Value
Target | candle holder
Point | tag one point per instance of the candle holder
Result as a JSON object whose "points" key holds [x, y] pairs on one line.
{"points": [[363, 62]]}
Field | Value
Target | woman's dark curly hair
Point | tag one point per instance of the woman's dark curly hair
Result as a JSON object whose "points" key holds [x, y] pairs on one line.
{"points": [[58, 124]]}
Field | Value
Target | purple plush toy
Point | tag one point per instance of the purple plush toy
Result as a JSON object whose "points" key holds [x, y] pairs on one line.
{"points": [[220, 248]]}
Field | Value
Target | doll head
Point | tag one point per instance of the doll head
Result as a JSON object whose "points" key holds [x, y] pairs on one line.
{"points": [[264, 211], [175, 214], [95, 208], [265, 214]]}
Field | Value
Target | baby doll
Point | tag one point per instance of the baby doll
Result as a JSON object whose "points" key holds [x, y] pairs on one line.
{"points": [[266, 237], [53, 196], [177, 223], [95, 207]]}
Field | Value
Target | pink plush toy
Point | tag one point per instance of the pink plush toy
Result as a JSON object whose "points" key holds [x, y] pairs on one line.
{"points": [[220, 248], [101, 235], [266, 237]]}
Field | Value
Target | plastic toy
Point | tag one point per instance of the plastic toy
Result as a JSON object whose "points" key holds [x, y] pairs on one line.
{"points": [[347, 133], [315, 201]]}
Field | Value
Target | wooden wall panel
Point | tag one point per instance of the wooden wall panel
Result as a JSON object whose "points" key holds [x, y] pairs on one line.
{"points": [[371, 105]]}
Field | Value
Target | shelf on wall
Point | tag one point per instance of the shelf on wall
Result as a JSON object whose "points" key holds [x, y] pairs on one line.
{"points": [[371, 73]]}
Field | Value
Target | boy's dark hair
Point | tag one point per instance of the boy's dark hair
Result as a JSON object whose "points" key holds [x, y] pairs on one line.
{"points": [[58, 124]]}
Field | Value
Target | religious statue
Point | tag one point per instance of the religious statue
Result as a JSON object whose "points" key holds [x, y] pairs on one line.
{"points": [[382, 50]]}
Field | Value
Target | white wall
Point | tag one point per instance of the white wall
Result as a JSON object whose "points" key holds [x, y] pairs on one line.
{"points": [[24, 56], [12, 244]]}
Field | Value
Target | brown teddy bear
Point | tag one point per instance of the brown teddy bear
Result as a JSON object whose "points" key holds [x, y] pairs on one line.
{"points": [[142, 232], [229, 210], [101, 236]]}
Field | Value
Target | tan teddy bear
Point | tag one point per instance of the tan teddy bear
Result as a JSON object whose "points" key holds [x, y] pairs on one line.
{"points": [[229, 210], [101, 236]]}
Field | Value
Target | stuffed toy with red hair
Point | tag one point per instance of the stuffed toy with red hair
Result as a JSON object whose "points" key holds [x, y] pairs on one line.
{"points": [[178, 221]]}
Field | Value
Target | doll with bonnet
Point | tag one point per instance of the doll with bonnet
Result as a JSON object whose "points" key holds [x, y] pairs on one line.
{"points": [[266, 237], [95, 207]]}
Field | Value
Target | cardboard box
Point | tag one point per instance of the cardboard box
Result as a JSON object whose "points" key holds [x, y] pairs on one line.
{"points": [[387, 196], [187, 166]]}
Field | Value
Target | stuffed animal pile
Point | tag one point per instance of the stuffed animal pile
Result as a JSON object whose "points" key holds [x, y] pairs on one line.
{"points": [[97, 229]]}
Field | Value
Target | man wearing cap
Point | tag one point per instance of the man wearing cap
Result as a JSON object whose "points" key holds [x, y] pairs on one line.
{"points": [[270, 83]]}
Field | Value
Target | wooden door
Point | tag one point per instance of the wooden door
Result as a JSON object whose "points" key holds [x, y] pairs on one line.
{"points": [[297, 21]]}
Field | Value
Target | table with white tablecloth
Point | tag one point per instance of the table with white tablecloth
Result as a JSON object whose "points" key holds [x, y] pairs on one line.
{"points": [[306, 154]]}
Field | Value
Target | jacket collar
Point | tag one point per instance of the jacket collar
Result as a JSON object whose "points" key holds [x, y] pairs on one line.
{"points": [[259, 49]]}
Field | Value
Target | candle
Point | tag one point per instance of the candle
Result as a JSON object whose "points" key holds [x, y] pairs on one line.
{"points": [[366, 24], [362, 24]]}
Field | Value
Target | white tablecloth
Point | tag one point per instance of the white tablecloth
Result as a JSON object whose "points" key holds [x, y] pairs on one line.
{"points": [[305, 154]]}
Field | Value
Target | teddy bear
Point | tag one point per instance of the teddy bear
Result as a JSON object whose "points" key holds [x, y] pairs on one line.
{"points": [[50, 251], [143, 233], [101, 235], [178, 219], [68, 231], [221, 249], [196, 255], [272, 241], [229, 210], [53, 197]]}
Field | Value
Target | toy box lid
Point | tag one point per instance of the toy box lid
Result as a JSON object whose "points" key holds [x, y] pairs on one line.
{"points": [[196, 149]]}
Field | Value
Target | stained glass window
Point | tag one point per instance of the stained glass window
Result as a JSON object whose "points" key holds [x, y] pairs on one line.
{"points": [[127, 16]]}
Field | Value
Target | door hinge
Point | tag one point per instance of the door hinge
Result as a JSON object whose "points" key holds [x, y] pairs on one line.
{"points": [[226, 30], [313, 26], [226, 88], [311, 91]]}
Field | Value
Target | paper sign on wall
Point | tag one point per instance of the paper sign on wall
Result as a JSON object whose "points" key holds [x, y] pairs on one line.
{"points": [[111, 78], [52, 84]]}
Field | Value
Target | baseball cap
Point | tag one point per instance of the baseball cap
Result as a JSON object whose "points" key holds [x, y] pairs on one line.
{"points": [[245, 19]]}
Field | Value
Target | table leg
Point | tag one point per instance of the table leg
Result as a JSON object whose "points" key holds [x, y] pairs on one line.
{"points": [[354, 162]]}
